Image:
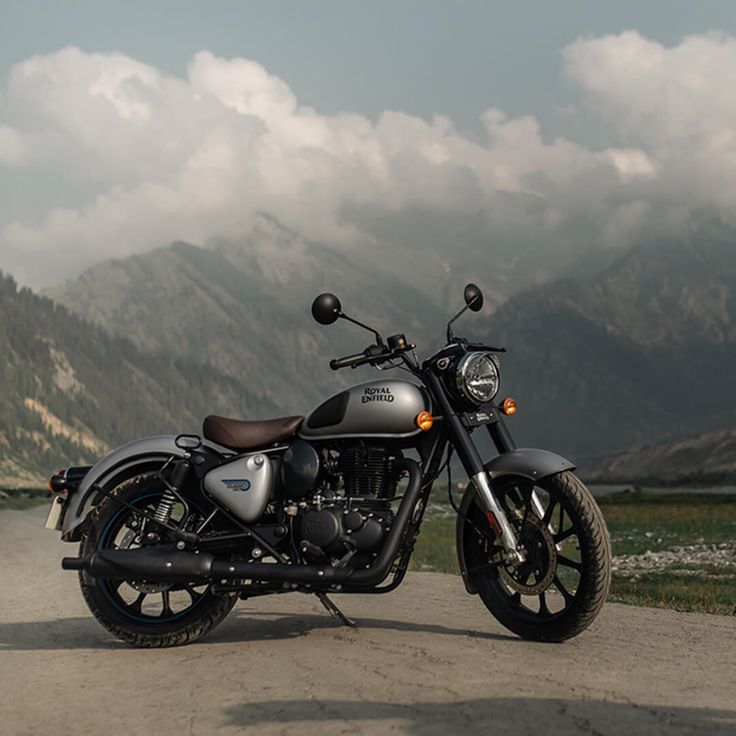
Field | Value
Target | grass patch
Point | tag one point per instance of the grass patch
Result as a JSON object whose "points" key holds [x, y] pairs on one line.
{"points": [[637, 523], [26, 498], [435, 550], [678, 591]]}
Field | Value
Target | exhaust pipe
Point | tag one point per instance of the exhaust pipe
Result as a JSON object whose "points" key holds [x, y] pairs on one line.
{"points": [[147, 563], [169, 564]]}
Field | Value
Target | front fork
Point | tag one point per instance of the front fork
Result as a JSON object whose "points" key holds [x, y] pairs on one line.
{"points": [[473, 464], [497, 518]]}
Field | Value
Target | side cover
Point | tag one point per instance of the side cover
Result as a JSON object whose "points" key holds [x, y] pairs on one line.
{"points": [[526, 463], [243, 486], [122, 463]]}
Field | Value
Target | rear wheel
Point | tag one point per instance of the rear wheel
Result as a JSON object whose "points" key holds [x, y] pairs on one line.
{"points": [[146, 614], [561, 588]]}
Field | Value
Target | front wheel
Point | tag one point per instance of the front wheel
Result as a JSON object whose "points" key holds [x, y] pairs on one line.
{"points": [[561, 587]]}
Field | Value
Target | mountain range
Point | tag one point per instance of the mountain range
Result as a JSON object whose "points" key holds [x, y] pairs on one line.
{"points": [[628, 348], [705, 458], [69, 391], [645, 350], [243, 309]]}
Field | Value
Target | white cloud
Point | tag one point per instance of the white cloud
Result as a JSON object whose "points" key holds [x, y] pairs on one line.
{"points": [[198, 158], [12, 150], [631, 163], [677, 104]]}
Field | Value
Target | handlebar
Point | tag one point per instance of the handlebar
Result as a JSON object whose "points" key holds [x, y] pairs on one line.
{"points": [[348, 360], [373, 354]]}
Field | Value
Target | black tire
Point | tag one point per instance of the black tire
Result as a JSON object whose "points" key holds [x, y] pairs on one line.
{"points": [[132, 624], [566, 607]]}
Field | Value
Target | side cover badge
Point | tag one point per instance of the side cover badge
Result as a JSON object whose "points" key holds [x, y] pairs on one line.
{"points": [[240, 485]]}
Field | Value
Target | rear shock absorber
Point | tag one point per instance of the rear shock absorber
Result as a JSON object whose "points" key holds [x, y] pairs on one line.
{"points": [[173, 485], [165, 507]]}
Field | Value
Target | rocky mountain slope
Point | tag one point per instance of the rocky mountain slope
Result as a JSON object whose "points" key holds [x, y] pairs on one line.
{"points": [[244, 310], [705, 458], [639, 349], [69, 391], [643, 351]]}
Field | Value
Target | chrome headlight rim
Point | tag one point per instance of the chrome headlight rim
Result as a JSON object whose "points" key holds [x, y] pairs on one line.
{"points": [[464, 366]]}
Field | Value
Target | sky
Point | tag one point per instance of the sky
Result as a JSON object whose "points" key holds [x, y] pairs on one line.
{"points": [[124, 126]]}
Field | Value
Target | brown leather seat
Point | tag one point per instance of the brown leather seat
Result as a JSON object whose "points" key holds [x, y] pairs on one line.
{"points": [[241, 435]]}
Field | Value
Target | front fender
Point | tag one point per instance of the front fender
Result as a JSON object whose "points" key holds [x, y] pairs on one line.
{"points": [[123, 463], [525, 463]]}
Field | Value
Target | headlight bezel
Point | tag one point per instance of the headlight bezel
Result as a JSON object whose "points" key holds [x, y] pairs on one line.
{"points": [[464, 366]]}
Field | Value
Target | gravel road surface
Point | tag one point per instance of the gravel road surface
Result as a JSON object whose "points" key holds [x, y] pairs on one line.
{"points": [[427, 659]]}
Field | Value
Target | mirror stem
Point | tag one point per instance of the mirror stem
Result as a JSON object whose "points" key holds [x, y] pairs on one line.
{"points": [[379, 338], [450, 336]]}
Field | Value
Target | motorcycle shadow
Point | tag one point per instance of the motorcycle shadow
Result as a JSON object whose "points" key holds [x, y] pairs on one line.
{"points": [[243, 625], [56, 634], [256, 625]]}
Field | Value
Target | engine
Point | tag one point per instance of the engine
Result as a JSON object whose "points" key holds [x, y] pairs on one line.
{"points": [[346, 520]]}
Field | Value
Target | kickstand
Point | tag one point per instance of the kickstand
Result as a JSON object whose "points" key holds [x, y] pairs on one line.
{"points": [[335, 611]]}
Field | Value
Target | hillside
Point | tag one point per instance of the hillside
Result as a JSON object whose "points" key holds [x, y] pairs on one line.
{"points": [[705, 458], [69, 391], [643, 351], [244, 310]]}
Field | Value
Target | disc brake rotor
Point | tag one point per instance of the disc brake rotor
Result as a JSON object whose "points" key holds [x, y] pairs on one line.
{"points": [[541, 560], [143, 587]]}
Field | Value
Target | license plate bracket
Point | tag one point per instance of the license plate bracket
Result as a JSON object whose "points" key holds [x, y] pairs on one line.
{"points": [[53, 520]]}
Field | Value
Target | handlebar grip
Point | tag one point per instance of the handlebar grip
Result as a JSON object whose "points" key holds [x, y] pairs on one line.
{"points": [[337, 363]]}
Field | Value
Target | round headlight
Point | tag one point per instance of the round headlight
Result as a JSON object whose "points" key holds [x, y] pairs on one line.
{"points": [[477, 377]]}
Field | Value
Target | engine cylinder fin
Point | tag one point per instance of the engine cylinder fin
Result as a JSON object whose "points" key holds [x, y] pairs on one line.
{"points": [[366, 471]]}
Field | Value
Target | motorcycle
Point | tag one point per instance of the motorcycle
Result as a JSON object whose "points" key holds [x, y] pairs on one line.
{"points": [[173, 530]]}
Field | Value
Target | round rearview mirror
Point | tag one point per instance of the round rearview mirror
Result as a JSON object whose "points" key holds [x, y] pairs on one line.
{"points": [[473, 298], [326, 308]]}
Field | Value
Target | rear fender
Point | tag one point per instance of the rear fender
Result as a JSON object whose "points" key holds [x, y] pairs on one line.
{"points": [[126, 462], [525, 463]]}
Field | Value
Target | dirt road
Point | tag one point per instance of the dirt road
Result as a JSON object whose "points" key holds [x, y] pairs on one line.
{"points": [[426, 659]]}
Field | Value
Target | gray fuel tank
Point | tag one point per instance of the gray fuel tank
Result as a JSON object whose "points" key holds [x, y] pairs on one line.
{"points": [[384, 408], [243, 486]]}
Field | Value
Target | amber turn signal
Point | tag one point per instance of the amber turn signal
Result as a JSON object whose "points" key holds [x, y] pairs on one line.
{"points": [[424, 420], [509, 407]]}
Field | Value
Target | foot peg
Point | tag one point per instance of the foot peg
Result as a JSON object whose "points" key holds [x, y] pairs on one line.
{"points": [[335, 611]]}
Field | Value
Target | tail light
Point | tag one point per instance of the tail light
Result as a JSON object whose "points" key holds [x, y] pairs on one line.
{"points": [[58, 483]]}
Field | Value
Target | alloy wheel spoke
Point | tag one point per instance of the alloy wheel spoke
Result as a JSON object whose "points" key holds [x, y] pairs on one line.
{"points": [[566, 594], [543, 608], [504, 500], [507, 498], [562, 536], [567, 562], [114, 585], [137, 604], [192, 593], [549, 511], [166, 610]]}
